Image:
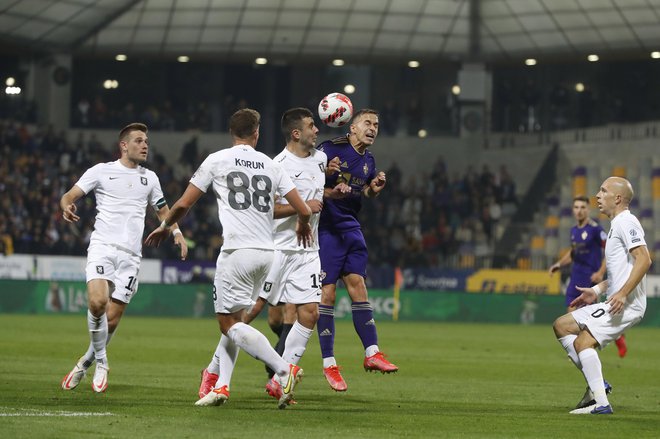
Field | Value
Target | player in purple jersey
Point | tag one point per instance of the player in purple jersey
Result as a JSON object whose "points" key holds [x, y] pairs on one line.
{"points": [[587, 244], [343, 249]]}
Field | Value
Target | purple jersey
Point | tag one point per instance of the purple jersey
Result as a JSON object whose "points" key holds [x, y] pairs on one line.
{"points": [[356, 170], [587, 248]]}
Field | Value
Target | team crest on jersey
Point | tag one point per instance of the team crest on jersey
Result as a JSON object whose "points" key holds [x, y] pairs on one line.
{"points": [[99, 269], [322, 275], [365, 169], [268, 286], [344, 165], [143, 180], [322, 167], [584, 235]]}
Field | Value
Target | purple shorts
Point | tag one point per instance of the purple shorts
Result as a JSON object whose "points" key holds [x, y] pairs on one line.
{"points": [[579, 280], [342, 253]]}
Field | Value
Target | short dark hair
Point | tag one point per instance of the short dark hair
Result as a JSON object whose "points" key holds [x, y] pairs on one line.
{"points": [[581, 198], [128, 129], [364, 111], [244, 122], [292, 119]]}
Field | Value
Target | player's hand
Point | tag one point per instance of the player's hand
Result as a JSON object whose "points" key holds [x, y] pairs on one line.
{"points": [[340, 191], [315, 205], [69, 214], [378, 183], [180, 241], [159, 235], [587, 297], [596, 278], [333, 166], [554, 267], [304, 234], [617, 302]]}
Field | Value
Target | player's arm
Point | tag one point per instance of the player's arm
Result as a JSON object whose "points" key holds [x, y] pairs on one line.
{"points": [[641, 265], [286, 210], [303, 229], [375, 186], [68, 204], [178, 211], [589, 295], [564, 260], [339, 191], [179, 240]]}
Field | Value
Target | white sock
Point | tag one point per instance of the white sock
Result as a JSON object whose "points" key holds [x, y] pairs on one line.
{"points": [[593, 373], [227, 353], [88, 358], [256, 345], [371, 350], [214, 365], [329, 361], [98, 333], [296, 343], [567, 342]]}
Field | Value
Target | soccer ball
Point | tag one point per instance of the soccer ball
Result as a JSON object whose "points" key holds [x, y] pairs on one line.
{"points": [[335, 110]]}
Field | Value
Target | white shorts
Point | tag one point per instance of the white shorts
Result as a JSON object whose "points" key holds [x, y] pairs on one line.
{"points": [[117, 266], [295, 277], [239, 276], [602, 325]]}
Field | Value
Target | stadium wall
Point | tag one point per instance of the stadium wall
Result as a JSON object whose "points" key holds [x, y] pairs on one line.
{"points": [[194, 300]]}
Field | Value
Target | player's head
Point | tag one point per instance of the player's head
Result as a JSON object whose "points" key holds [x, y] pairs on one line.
{"points": [[134, 143], [364, 127], [244, 125], [298, 126], [614, 196], [580, 208]]}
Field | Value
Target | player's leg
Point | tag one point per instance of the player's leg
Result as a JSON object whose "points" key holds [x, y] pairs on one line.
{"points": [[97, 323], [288, 320], [355, 270], [586, 345]]}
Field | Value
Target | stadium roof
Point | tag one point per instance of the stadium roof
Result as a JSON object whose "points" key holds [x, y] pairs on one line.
{"points": [[365, 30]]}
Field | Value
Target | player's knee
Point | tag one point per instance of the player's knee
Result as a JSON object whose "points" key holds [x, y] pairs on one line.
{"points": [[560, 327]]}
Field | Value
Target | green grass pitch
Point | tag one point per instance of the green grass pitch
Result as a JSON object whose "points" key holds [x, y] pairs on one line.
{"points": [[455, 380]]}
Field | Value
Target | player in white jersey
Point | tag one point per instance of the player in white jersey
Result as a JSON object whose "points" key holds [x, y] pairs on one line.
{"points": [[594, 325], [294, 278], [123, 189], [246, 183]]}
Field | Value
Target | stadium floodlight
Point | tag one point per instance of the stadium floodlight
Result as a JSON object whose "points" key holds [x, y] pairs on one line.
{"points": [[655, 55], [456, 90], [338, 62], [530, 62], [593, 58], [349, 89], [413, 64], [10, 81], [121, 57], [183, 58], [261, 61], [579, 87]]}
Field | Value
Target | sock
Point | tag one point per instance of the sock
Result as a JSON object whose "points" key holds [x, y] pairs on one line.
{"points": [[227, 353], [365, 326], [256, 345], [326, 330], [567, 343], [88, 357], [592, 370], [296, 343], [328, 362], [98, 333], [279, 347], [277, 329], [214, 365]]}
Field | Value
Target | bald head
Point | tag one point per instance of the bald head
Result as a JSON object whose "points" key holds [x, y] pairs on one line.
{"points": [[614, 196], [621, 186]]}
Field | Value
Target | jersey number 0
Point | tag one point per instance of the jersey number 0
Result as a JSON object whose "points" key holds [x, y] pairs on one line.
{"points": [[260, 196]]}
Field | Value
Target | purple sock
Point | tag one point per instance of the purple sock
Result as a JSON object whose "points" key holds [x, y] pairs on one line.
{"points": [[365, 326], [326, 329]]}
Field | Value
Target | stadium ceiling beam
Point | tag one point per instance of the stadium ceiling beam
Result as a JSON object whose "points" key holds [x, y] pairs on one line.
{"points": [[102, 24]]}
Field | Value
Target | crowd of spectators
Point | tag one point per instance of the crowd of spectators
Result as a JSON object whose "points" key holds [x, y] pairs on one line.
{"points": [[421, 220]]}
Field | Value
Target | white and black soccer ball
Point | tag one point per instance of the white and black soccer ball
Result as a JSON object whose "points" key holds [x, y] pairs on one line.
{"points": [[335, 110]]}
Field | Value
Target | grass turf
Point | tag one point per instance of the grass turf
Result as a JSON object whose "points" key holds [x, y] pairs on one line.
{"points": [[456, 380]]}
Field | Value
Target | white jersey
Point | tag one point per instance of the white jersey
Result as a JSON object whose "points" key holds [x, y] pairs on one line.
{"points": [[245, 182], [122, 195], [308, 174], [625, 234]]}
